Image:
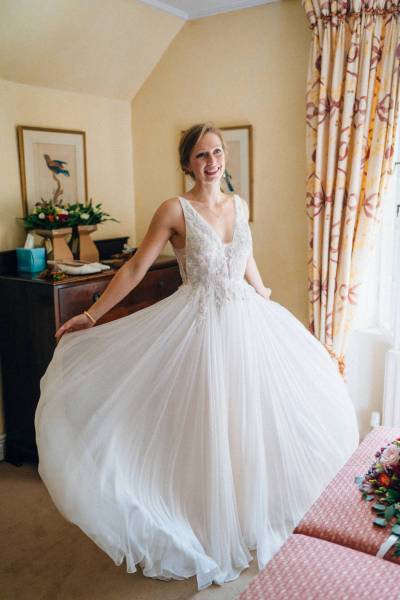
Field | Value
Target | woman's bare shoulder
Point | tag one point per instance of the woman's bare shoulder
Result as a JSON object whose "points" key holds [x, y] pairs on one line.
{"points": [[171, 202], [169, 210], [171, 205]]}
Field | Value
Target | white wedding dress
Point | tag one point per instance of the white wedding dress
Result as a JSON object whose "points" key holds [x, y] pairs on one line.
{"points": [[198, 428]]}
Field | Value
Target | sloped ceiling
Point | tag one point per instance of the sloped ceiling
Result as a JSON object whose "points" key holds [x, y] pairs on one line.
{"points": [[101, 47]]}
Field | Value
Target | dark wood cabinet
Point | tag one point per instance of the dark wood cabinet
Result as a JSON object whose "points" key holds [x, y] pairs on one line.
{"points": [[31, 310]]}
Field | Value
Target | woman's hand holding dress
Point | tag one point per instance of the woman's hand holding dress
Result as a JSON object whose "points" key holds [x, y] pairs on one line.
{"points": [[75, 324], [265, 292]]}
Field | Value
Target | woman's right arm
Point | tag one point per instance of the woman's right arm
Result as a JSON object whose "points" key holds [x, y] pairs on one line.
{"points": [[132, 272]]}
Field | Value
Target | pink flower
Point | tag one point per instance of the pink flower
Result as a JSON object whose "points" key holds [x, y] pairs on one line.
{"points": [[390, 456]]}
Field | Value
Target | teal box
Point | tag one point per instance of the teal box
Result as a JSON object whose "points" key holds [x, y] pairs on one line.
{"points": [[31, 260]]}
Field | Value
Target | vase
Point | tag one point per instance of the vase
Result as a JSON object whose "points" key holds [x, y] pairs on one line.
{"points": [[87, 248], [56, 243]]}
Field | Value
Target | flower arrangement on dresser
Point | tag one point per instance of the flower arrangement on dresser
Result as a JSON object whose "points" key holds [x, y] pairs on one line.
{"points": [[51, 220], [47, 215], [84, 218], [87, 214], [55, 222]]}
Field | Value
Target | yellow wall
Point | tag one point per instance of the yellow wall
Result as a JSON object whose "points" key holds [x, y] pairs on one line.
{"points": [[244, 67], [109, 153]]}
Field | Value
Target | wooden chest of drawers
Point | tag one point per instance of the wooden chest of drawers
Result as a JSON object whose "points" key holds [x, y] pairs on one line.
{"points": [[78, 296], [30, 312]]}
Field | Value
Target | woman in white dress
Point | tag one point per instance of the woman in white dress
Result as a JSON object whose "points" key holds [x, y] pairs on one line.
{"points": [[204, 426]]}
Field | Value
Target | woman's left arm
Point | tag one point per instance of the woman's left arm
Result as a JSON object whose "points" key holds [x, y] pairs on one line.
{"points": [[252, 274]]}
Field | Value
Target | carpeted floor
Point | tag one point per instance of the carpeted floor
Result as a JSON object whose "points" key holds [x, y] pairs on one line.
{"points": [[43, 557]]}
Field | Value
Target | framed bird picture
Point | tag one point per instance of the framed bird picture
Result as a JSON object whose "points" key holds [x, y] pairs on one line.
{"points": [[52, 166]]}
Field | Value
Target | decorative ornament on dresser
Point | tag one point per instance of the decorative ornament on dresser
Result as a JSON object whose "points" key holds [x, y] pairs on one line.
{"points": [[84, 219], [56, 222], [51, 221]]}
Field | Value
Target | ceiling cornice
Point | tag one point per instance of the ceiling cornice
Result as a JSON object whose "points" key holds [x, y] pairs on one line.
{"points": [[198, 13], [172, 10]]}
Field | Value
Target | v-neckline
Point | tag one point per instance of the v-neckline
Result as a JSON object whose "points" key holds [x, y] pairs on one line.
{"points": [[211, 227]]}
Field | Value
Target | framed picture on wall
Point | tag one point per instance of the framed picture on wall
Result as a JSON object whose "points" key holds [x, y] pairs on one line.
{"points": [[52, 165], [239, 164]]}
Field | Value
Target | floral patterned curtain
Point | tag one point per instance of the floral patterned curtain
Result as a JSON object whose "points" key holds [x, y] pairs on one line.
{"points": [[352, 111]]}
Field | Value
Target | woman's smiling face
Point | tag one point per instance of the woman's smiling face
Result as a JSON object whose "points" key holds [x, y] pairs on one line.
{"points": [[207, 159]]}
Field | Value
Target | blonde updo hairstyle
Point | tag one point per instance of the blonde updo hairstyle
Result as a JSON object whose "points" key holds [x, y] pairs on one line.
{"points": [[189, 139]]}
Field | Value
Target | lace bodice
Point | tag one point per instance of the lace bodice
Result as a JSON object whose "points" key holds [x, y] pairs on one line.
{"points": [[209, 266]]}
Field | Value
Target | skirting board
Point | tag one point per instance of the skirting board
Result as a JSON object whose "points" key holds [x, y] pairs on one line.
{"points": [[2, 445]]}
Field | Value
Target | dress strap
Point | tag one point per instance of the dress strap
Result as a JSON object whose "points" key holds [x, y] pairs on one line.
{"points": [[239, 207], [184, 204], [190, 218], [185, 207]]}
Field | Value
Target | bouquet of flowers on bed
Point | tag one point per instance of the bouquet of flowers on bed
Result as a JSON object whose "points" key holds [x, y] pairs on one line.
{"points": [[382, 484]]}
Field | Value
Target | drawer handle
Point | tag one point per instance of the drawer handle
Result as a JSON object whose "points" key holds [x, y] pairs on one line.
{"points": [[161, 283], [96, 296]]}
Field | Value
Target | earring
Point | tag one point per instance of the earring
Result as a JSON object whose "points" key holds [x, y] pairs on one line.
{"points": [[228, 181]]}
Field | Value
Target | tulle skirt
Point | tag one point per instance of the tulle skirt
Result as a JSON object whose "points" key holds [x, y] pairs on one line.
{"points": [[180, 444]]}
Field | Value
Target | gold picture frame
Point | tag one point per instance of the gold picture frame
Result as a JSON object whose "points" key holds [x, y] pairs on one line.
{"points": [[52, 165], [239, 141]]}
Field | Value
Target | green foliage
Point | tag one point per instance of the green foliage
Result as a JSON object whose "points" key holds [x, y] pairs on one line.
{"points": [[87, 214], [389, 513], [51, 215], [379, 507], [380, 521]]}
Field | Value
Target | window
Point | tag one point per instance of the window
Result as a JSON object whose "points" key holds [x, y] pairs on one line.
{"points": [[373, 352], [380, 300]]}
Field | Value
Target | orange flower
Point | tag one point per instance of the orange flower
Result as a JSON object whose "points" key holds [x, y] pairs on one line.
{"points": [[384, 480], [51, 218]]}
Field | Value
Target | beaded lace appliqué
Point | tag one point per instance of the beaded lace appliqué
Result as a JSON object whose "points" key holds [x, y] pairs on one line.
{"points": [[214, 270]]}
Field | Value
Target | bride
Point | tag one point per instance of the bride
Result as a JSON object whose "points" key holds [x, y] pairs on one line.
{"points": [[202, 427]]}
